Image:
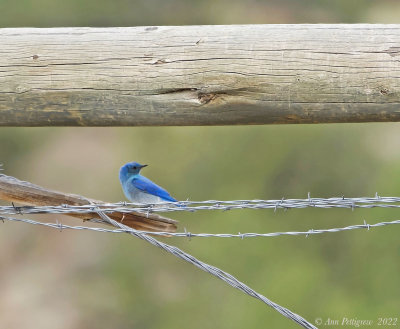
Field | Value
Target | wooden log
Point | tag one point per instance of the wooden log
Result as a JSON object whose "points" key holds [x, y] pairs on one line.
{"points": [[25, 193], [199, 75]]}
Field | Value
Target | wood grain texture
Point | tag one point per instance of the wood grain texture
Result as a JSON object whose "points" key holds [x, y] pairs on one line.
{"points": [[25, 193], [199, 75]]}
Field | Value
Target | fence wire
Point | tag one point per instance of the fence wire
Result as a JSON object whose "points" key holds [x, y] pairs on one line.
{"points": [[189, 235], [124, 207], [192, 206]]}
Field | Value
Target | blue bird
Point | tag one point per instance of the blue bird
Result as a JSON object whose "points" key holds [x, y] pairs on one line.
{"points": [[140, 189]]}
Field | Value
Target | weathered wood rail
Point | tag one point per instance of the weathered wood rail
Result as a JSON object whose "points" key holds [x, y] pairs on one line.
{"points": [[199, 75]]}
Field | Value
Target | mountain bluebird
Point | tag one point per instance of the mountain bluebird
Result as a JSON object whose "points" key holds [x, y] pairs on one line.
{"points": [[140, 189]]}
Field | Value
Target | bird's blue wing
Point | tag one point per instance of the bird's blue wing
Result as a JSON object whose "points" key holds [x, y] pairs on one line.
{"points": [[146, 185]]}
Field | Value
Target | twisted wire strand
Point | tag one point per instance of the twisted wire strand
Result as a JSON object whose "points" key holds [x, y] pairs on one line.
{"points": [[191, 206], [190, 235]]}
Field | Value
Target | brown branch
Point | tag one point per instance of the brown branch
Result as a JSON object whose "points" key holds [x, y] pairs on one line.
{"points": [[14, 190]]}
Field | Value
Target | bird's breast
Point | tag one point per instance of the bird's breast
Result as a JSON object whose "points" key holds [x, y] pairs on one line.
{"points": [[138, 196]]}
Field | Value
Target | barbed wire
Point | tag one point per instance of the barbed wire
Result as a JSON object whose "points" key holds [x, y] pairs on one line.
{"points": [[189, 235], [192, 206], [124, 207]]}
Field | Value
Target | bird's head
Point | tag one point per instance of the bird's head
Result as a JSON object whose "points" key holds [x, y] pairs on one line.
{"points": [[129, 169]]}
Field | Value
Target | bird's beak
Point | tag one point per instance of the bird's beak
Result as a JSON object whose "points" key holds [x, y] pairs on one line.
{"points": [[143, 166]]}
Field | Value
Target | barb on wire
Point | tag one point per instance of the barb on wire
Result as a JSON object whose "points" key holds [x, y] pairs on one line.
{"points": [[191, 206]]}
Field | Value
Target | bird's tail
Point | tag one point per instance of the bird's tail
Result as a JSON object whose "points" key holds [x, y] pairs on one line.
{"points": [[171, 199]]}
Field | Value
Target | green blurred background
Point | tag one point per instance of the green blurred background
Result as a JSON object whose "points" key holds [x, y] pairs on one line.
{"points": [[77, 279]]}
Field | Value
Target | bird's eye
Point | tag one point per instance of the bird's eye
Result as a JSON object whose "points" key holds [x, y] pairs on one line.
{"points": [[134, 167]]}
